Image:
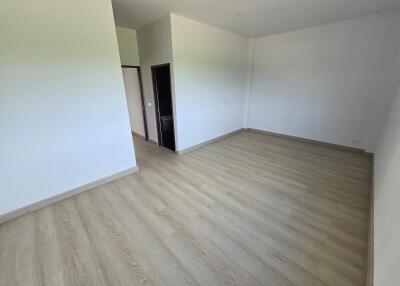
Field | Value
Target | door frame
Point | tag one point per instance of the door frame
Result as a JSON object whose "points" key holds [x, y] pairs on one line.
{"points": [[156, 103], [141, 97]]}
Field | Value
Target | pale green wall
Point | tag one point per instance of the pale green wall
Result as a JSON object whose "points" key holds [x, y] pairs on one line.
{"points": [[387, 198], [209, 66], [128, 48], [63, 114], [155, 46]]}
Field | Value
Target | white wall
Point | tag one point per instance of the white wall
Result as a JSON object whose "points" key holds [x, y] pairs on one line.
{"points": [[326, 83], [128, 49], [387, 200], [63, 114], [210, 80], [133, 97], [155, 47]]}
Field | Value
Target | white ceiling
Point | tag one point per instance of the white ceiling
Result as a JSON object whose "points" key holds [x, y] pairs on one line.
{"points": [[252, 18]]}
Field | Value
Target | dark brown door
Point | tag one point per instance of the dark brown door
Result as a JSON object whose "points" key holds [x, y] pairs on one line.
{"points": [[163, 105]]}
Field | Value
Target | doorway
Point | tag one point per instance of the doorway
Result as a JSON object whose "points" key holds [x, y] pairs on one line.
{"points": [[135, 100], [161, 75]]}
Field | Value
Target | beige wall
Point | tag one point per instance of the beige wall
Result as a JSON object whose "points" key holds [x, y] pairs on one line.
{"points": [[128, 49]]}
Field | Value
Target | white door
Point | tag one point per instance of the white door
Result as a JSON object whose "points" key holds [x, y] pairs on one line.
{"points": [[133, 97]]}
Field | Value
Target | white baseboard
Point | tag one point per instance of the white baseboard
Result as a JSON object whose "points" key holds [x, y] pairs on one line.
{"points": [[38, 205]]}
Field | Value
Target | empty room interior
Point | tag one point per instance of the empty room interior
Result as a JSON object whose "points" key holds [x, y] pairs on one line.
{"points": [[202, 142]]}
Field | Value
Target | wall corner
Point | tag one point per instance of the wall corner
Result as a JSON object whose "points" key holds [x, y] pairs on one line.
{"points": [[249, 83]]}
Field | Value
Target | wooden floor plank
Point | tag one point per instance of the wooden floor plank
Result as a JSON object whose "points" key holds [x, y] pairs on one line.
{"points": [[252, 209]]}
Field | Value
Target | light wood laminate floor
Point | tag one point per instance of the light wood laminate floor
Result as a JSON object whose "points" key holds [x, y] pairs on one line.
{"points": [[252, 209]]}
